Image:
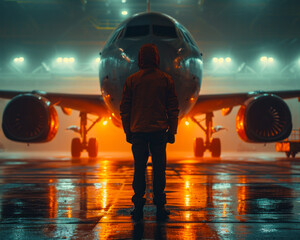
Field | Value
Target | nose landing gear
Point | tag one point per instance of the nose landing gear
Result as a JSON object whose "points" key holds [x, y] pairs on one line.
{"points": [[80, 144], [211, 144]]}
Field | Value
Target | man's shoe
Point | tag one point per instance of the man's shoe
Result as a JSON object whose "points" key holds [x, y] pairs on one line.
{"points": [[137, 213], [162, 214]]}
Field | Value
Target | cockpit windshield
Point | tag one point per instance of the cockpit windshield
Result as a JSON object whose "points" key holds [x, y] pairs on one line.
{"points": [[164, 31], [137, 31]]}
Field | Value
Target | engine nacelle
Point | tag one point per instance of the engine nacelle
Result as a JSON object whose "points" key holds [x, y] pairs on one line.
{"points": [[264, 118], [30, 118]]}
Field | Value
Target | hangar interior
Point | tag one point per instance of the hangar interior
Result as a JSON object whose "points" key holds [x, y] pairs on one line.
{"points": [[54, 45]]}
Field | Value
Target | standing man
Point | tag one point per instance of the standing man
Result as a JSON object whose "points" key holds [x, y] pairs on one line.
{"points": [[149, 112]]}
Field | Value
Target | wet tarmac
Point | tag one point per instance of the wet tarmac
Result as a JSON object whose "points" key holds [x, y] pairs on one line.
{"points": [[240, 196]]}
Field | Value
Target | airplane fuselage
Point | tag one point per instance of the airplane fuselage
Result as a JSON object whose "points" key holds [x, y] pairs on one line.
{"points": [[179, 57]]}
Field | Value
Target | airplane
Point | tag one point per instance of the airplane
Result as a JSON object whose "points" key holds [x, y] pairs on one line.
{"points": [[31, 117]]}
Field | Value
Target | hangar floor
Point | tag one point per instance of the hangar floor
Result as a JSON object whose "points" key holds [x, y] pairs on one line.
{"points": [[240, 196]]}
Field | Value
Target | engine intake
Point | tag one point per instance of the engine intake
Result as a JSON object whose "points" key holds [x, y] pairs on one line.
{"points": [[30, 118], [264, 118]]}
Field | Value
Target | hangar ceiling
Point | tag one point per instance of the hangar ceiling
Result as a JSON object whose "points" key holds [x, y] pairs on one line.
{"points": [[214, 24]]}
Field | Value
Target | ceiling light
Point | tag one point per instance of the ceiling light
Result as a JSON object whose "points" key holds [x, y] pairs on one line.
{"points": [[221, 60], [215, 60], [19, 59], [264, 59], [59, 60], [228, 59]]}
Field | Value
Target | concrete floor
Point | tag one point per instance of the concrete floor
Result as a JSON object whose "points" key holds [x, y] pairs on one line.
{"points": [[240, 196]]}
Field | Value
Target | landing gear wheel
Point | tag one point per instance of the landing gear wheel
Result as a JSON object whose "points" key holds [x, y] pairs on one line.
{"points": [[199, 147], [215, 147], [93, 147], [76, 147], [288, 154]]}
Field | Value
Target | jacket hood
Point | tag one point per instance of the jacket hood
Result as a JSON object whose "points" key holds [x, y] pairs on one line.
{"points": [[148, 56]]}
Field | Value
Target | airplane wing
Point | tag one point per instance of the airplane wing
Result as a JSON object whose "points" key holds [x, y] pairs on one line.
{"points": [[92, 104], [213, 102]]}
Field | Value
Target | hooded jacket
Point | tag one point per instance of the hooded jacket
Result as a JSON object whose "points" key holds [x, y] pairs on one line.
{"points": [[149, 101]]}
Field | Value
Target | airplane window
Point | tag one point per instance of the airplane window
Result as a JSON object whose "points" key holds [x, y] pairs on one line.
{"points": [[164, 31], [137, 31]]}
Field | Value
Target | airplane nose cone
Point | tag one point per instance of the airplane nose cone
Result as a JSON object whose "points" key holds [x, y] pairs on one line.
{"points": [[186, 71], [177, 61]]}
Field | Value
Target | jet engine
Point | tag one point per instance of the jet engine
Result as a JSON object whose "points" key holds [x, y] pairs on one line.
{"points": [[264, 118], [30, 118]]}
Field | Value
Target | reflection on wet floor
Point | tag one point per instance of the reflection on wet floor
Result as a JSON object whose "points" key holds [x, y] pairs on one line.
{"points": [[235, 197]]}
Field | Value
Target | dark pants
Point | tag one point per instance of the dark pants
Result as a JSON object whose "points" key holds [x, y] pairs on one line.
{"points": [[141, 144]]}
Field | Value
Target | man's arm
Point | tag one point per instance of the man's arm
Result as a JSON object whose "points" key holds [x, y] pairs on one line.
{"points": [[172, 107], [125, 106]]}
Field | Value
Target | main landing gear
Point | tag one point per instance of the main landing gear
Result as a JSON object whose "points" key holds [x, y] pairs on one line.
{"points": [[80, 144], [211, 144]]}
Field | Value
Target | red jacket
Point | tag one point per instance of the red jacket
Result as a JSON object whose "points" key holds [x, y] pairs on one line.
{"points": [[149, 102]]}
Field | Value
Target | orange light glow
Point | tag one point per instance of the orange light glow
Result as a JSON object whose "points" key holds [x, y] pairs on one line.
{"points": [[187, 200], [53, 124], [104, 194], [52, 201], [242, 192], [187, 185], [224, 210], [69, 212], [105, 122], [240, 123], [187, 123], [187, 193]]}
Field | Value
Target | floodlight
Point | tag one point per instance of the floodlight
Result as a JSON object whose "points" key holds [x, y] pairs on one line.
{"points": [[221, 60], [228, 59], [59, 60], [270, 60], [124, 13], [187, 123], [123, 1], [95, 62], [71, 59], [105, 122], [215, 60], [264, 59], [19, 59], [66, 60]]}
